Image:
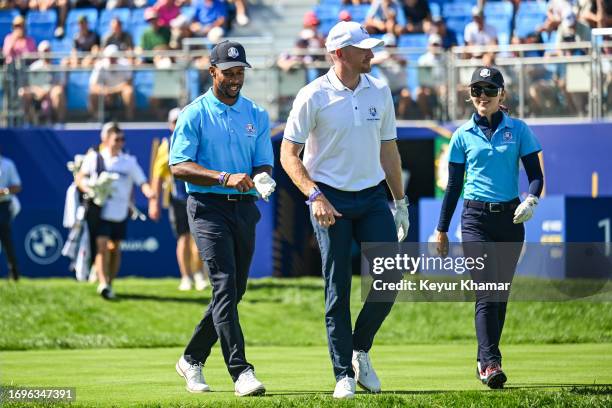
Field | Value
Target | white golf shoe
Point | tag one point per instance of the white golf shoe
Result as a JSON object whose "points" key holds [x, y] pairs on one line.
{"points": [[185, 284], [192, 373], [247, 384], [345, 388], [364, 372], [201, 282]]}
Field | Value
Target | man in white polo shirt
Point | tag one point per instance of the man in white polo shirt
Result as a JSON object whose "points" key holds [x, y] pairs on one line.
{"points": [[346, 122], [110, 230]]}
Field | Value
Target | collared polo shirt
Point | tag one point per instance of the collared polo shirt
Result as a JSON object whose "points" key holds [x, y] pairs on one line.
{"points": [[221, 137], [492, 166], [8, 176], [342, 130]]}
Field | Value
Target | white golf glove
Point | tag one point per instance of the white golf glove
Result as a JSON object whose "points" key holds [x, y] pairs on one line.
{"points": [[264, 184], [401, 218], [525, 210]]}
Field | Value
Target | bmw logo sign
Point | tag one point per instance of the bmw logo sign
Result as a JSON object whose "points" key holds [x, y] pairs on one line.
{"points": [[43, 244]]}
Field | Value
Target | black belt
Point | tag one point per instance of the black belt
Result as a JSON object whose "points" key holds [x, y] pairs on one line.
{"points": [[492, 207], [228, 197]]}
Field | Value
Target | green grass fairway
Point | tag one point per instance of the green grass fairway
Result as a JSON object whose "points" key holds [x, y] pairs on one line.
{"points": [[61, 313], [416, 374], [59, 333]]}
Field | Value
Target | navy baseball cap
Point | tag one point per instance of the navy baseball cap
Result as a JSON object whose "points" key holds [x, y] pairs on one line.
{"points": [[228, 54], [490, 75]]}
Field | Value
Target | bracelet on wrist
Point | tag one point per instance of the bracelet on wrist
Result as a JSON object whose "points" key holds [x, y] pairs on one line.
{"points": [[221, 177], [226, 179], [314, 195]]}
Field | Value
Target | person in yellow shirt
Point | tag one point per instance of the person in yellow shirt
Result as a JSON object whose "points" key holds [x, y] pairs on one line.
{"points": [[175, 199]]}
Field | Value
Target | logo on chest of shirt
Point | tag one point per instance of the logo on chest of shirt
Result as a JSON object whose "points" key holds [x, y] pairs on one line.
{"points": [[373, 113], [507, 137], [250, 129]]}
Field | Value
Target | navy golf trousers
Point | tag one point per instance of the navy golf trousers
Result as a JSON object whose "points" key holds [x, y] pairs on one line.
{"points": [[224, 232], [366, 217], [495, 234]]}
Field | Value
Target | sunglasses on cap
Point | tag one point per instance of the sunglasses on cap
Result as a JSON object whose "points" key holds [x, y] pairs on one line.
{"points": [[491, 92]]}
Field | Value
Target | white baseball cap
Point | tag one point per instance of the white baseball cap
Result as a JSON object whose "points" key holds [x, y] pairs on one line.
{"points": [[347, 33], [111, 51]]}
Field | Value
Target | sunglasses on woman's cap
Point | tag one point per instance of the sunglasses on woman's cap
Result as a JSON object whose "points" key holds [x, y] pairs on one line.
{"points": [[491, 92]]}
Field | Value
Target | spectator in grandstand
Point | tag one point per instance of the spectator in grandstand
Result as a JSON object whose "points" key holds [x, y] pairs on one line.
{"points": [[577, 101], [383, 17], [86, 41], [16, 43], [242, 17], [432, 77], [449, 37], [176, 202], [122, 39], [110, 82], [45, 91], [210, 19], [345, 15], [355, 2], [97, 4], [111, 229], [167, 10], [10, 184], [595, 13], [391, 69], [179, 30], [418, 16], [155, 37], [309, 39], [478, 32], [554, 15]]}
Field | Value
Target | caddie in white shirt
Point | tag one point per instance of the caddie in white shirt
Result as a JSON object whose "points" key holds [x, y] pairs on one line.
{"points": [[345, 120], [110, 230]]}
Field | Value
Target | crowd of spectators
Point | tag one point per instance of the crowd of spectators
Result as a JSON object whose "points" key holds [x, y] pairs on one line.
{"points": [[96, 45], [565, 21], [167, 26]]}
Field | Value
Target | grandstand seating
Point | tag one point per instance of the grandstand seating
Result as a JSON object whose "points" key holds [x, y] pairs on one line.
{"points": [[77, 90], [106, 16], [457, 14], [40, 24]]}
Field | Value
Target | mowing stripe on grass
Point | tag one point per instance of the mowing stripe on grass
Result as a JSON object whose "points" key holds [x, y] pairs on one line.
{"points": [[296, 376]]}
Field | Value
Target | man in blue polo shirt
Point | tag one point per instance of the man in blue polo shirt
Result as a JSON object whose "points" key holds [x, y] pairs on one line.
{"points": [[221, 147]]}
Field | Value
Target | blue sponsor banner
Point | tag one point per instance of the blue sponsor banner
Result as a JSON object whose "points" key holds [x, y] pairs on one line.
{"points": [[557, 220], [575, 161], [149, 249]]}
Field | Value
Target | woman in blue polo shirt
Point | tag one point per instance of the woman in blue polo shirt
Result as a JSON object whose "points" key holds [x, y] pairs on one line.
{"points": [[486, 151]]}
